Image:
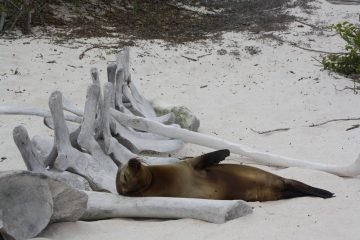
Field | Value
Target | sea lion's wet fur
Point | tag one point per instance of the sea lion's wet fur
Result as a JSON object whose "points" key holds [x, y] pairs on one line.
{"points": [[203, 177]]}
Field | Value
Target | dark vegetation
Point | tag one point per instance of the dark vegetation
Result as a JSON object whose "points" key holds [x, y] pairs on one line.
{"points": [[146, 19]]}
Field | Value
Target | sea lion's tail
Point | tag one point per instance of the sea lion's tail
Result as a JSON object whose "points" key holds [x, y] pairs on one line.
{"points": [[298, 189]]}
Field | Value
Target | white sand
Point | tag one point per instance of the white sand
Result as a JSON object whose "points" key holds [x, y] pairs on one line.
{"points": [[242, 92]]}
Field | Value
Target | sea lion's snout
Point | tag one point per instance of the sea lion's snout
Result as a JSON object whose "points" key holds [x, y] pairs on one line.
{"points": [[132, 177], [134, 165]]}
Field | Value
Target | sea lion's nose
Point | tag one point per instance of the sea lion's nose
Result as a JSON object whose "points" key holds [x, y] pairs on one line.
{"points": [[134, 164]]}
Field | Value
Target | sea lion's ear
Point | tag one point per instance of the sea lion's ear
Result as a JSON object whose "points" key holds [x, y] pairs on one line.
{"points": [[209, 159], [134, 164]]}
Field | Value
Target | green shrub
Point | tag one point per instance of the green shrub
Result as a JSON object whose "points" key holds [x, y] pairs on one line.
{"points": [[349, 62]]}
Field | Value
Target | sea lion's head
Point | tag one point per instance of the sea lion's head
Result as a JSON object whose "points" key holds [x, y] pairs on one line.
{"points": [[133, 178]]}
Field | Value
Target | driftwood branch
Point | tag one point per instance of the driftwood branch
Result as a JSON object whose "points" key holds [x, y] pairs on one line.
{"points": [[259, 157], [35, 164], [105, 205], [87, 141], [22, 141], [33, 111], [72, 159], [136, 141]]}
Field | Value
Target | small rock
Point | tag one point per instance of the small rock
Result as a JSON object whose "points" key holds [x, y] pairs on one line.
{"points": [[252, 50], [183, 116], [222, 51]]}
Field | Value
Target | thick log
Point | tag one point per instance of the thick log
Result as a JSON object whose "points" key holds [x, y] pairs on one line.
{"points": [[106, 205], [30, 201], [69, 204], [26, 205], [45, 149]]}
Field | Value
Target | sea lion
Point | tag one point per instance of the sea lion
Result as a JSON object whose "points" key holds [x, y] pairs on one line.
{"points": [[203, 177]]}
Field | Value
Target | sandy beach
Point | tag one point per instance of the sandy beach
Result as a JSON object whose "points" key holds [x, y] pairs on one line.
{"points": [[237, 85]]}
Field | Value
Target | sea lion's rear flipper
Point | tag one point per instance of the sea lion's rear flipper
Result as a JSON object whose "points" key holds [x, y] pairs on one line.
{"points": [[208, 159], [295, 188]]}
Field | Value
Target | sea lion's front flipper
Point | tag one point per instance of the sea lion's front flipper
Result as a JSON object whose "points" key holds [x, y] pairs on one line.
{"points": [[208, 159]]}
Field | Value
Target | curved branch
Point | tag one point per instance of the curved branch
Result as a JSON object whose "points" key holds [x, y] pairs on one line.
{"points": [[350, 170], [34, 111]]}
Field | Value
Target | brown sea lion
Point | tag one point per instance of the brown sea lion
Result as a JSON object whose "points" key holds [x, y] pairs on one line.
{"points": [[203, 177]]}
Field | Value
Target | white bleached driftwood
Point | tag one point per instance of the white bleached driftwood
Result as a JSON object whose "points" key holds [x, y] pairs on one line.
{"points": [[30, 201], [26, 205], [136, 142], [259, 157], [125, 88], [72, 159], [45, 149], [106, 205], [34, 111], [34, 163], [119, 75], [111, 146], [87, 141]]}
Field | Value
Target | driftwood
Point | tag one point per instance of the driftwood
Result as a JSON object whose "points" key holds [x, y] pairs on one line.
{"points": [[85, 155], [122, 124], [269, 159], [87, 141], [114, 128], [72, 159], [30, 201], [18, 211], [125, 89], [33, 111], [106, 205], [33, 161], [136, 141], [111, 146]]}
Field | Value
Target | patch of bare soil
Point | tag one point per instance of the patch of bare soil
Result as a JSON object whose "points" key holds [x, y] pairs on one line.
{"points": [[173, 21]]}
